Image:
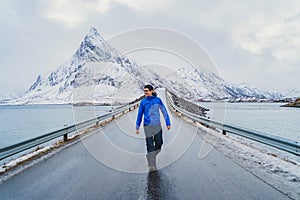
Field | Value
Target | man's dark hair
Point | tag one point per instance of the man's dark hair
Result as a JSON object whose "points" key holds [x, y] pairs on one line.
{"points": [[150, 87]]}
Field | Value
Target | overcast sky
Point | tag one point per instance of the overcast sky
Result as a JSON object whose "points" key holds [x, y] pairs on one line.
{"points": [[255, 42]]}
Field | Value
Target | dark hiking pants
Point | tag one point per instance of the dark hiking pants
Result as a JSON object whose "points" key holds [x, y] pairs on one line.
{"points": [[154, 142]]}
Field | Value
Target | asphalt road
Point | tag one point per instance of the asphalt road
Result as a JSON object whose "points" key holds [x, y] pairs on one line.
{"points": [[111, 164]]}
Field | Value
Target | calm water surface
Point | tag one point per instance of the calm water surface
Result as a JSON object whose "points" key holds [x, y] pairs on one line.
{"points": [[266, 117], [19, 123]]}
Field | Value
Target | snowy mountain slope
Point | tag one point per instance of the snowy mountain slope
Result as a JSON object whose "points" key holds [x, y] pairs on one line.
{"points": [[7, 97], [294, 93], [98, 73], [194, 84]]}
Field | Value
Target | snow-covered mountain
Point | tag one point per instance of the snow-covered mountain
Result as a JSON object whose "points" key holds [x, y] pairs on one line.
{"points": [[98, 73], [293, 93], [8, 97], [207, 85]]}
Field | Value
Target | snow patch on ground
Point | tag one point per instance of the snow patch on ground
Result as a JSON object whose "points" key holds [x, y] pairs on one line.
{"points": [[15, 162], [38, 153], [275, 167]]}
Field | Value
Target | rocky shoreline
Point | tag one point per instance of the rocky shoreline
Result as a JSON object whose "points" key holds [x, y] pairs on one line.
{"points": [[188, 106], [295, 104]]}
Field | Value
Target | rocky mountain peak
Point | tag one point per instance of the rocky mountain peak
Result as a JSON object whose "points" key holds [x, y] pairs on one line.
{"points": [[94, 48], [93, 31]]}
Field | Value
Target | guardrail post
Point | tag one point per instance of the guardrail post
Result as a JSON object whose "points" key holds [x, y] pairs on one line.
{"points": [[66, 134], [97, 123], [223, 132]]}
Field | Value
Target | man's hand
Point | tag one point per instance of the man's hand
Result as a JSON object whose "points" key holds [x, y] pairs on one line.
{"points": [[137, 132], [168, 127]]}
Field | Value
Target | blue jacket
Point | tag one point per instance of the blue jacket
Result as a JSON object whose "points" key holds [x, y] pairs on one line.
{"points": [[149, 107]]}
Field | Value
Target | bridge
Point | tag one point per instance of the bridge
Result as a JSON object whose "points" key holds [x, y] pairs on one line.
{"points": [[110, 163]]}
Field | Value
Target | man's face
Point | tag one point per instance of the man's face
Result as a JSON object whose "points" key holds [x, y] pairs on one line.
{"points": [[147, 92]]}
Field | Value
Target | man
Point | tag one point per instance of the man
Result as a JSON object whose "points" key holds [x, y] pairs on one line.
{"points": [[149, 107]]}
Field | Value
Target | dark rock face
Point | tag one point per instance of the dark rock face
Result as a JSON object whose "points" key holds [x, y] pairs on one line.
{"points": [[188, 106], [295, 104], [37, 83]]}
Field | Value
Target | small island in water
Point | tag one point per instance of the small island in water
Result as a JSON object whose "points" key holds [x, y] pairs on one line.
{"points": [[295, 103]]}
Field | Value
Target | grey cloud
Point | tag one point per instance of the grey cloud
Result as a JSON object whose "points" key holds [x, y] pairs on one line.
{"points": [[32, 44]]}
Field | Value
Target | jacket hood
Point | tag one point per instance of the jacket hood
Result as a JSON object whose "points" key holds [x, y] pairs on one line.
{"points": [[151, 97]]}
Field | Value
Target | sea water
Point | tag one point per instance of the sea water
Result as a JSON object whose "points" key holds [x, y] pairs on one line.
{"points": [[23, 122], [20, 123], [269, 118]]}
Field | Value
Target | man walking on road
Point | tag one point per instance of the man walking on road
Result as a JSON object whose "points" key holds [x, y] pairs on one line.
{"points": [[149, 107]]}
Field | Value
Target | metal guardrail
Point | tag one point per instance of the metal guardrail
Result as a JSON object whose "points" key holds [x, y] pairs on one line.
{"points": [[22, 146], [271, 140], [275, 141]]}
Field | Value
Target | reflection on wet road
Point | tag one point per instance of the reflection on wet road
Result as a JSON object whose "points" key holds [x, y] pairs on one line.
{"points": [[158, 186]]}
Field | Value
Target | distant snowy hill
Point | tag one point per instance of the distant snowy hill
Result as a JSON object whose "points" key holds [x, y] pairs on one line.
{"points": [[98, 73], [8, 97], [203, 85], [294, 93]]}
